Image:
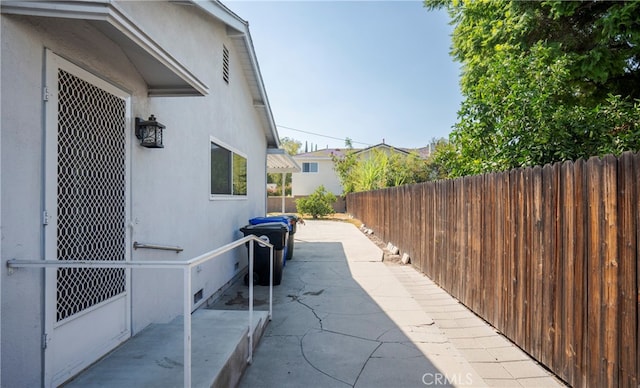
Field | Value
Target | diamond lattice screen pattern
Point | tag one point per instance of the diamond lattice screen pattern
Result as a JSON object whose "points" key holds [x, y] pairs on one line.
{"points": [[91, 193]]}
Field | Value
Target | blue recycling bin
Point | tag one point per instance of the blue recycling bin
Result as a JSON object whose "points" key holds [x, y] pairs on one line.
{"points": [[274, 233], [290, 220]]}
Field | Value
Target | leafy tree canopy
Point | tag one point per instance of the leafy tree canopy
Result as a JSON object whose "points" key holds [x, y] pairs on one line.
{"points": [[292, 146], [379, 169], [543, 82]]}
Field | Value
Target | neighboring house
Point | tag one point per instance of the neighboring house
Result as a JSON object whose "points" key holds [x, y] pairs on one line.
{"points": [[318, 167], [77, 184]]}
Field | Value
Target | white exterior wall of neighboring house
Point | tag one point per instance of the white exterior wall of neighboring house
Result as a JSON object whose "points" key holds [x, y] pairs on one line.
{"points": [[305, 183], [169, 188]]}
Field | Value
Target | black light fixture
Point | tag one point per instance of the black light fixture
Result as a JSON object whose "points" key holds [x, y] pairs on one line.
{"points": [[149, 132]]}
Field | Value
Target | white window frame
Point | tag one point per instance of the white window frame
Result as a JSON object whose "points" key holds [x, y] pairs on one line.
{"points": [[233, 197], [311, 172]]}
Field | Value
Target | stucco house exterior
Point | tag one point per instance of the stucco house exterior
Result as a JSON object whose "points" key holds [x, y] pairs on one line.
{"points": [[76, 182], [317, 168]]}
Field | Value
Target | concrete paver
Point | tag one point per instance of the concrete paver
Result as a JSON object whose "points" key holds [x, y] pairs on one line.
{"points": [[538, 382], [524, 369], [509, 353], [344, 318], [498, 361]]}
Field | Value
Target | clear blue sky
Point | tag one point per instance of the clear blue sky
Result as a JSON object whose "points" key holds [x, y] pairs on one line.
{"points": [[367, 70]]}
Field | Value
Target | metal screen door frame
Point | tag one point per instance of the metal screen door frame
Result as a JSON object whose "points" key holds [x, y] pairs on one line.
{"points": [[81, 327]]}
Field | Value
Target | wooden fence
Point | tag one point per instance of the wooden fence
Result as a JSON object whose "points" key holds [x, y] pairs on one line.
{"points": [[547, 255]]}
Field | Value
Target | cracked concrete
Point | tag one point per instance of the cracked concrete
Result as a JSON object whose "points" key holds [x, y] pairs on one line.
{"points": [[343, 318]]}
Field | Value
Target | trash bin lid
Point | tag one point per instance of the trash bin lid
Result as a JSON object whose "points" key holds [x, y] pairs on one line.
{"points": [[283, 226], [271, 219], [276, 232]]}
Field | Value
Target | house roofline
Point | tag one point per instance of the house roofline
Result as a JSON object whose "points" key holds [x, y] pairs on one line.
{"points": [[238, 32], [404, 151], [120, 27]]}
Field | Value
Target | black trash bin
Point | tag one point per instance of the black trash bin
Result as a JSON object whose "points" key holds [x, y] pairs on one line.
{"points": [[293, 223], [291, 220], [275, 233]]}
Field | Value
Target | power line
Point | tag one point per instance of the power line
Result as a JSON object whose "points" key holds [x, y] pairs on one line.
{"points": [[321, 135]]}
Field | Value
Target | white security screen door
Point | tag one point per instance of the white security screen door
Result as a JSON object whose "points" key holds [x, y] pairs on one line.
{"points": [[86, 200]]}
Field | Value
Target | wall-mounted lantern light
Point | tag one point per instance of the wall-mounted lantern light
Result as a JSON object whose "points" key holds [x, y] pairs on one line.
{"points": [[149, 132]]}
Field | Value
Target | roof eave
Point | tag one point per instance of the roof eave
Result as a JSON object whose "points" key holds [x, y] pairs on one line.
{"points": [[165, 75], [279, 161], [237, 30]]}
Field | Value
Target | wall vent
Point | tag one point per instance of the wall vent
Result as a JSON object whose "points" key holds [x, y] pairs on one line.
{"points": [[197, 296], [225, 64]]}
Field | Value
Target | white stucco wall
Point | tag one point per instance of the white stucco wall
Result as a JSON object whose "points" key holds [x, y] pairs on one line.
{"points": [[22, 63], [170, 201], [182, 213], [305, 183]]}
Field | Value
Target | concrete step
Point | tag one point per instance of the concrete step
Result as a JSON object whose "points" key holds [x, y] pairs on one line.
{"points": [[154, 358]]}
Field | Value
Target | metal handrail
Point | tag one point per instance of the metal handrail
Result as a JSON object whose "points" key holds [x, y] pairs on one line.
{"points": [[186, 266], [137, 245]]}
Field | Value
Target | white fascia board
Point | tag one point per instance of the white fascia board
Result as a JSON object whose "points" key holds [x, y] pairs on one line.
{"points": [[238, 32], [222, 13], [109, 12]]}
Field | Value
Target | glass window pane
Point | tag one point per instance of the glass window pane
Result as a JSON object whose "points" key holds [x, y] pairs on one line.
{"points": [[220, 170], [239, 175], [309, 167]]}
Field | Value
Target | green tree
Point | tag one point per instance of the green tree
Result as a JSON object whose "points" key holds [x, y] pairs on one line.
{"points": [[440, 161], [378, 170], [543, 82], [292, 146], [371, 172], [345, 165], [318, 204], [348, 143]]}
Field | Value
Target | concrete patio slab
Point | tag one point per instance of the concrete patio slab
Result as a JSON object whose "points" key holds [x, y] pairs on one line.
{"points": [[360, 322], [154, 357]]}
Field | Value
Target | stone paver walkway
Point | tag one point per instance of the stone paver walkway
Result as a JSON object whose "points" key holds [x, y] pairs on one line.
{"points": [[497, 360]]}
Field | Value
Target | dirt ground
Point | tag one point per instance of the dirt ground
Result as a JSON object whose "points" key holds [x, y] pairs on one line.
{"points": [[387, 257]]}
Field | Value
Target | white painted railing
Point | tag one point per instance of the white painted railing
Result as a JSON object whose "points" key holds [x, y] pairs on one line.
{"points": [[186, 266]]}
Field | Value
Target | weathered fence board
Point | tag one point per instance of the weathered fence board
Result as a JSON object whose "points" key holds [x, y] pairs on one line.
{"points": [[580, 285], [595, 348], [548, 255], [628, 246], [571, 324], [611, 273], [537, 250]]}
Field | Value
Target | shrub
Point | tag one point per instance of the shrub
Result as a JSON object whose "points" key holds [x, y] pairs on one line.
{"points": [[320, 203]]}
